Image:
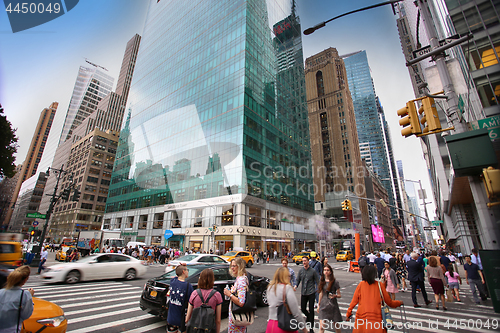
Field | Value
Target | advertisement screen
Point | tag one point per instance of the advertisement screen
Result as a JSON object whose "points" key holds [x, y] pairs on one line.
{"points": [[378, 234]]}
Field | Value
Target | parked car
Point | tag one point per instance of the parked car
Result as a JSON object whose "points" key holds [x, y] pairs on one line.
{"points": [[344, 255], [96, 267], [154, 298], [195, 259], [247, 256], [298, 257]]}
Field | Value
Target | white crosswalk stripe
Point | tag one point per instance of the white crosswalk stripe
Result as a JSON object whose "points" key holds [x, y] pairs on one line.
{"points": [[102, 306]]}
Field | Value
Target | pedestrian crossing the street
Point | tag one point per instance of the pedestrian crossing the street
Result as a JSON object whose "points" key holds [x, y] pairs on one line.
{"points": [[109, 306]]}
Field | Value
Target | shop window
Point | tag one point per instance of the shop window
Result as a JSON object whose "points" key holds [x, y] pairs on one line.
{"points": [[158, 221], [198, 218], [143, 222], [130, 222], [118, 223], [155, 240], [272, 223], [176, 221], [254, 217], [227, 215], [107, 224]]}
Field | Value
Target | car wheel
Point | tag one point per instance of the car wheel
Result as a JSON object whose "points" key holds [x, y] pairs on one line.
{"points": [[73, 277], [249, 264], [130, 274], [263, 298], [297, 263]]}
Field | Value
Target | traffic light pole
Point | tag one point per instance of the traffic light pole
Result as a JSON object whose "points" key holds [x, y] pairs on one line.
{"points": [[53, 201], [444, 75]]}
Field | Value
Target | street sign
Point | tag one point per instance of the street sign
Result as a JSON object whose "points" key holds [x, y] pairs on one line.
{"points": [[426, 49], [491, 123], [35, 223], [436, 223], [36, 215], [168, 234], [429, 228]]}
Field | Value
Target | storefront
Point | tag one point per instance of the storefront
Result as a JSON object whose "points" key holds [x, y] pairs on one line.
{"points": [[196, 243], [253, 243], [224, 243], [282, 246], [175, 242]]}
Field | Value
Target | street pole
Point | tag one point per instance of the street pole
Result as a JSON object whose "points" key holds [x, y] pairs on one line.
{"points": [[444, 75], [53, 201]]}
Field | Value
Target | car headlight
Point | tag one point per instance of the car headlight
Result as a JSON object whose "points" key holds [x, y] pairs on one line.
{"points": [[52, 322]]}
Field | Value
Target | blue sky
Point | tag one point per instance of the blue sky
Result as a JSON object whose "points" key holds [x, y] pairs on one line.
{"points": [[39, 66]]}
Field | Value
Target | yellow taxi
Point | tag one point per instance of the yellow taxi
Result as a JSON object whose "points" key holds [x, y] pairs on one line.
{"points": [[344, 255], [47, 317], [245, 255], [298, 257], [11, 253], [61, 253]]}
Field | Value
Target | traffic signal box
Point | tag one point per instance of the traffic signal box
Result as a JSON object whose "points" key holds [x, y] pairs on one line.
{"points": [[344, 205], [409, 120], [349, 205], [430, 115], [491, 181]]}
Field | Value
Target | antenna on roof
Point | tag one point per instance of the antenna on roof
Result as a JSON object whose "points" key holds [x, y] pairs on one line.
{"points": [[95, 65]]}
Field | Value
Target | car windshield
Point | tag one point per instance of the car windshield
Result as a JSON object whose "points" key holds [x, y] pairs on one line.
{"points": [[230, 254], [87, 259], [342, 252], [65, 248], [303, 254], [189, 257], [192, 270]]}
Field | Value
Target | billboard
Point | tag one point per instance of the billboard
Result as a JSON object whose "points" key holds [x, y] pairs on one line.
{"points": [[378, 234]]}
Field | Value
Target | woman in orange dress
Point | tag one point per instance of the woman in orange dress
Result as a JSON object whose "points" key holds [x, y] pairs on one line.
{"points": [[367, 297]]}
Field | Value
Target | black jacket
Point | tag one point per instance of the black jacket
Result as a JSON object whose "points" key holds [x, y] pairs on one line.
{"points": [[415, 271]]}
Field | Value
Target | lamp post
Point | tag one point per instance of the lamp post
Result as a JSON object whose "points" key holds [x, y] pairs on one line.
{"points": [[322, 24]]}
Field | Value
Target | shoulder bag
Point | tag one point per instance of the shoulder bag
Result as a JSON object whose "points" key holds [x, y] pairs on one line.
{"points": [[387, 322], [19, 313], [250, 304], [285, 316]]}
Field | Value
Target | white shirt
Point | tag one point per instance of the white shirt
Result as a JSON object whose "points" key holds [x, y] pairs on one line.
{"points": [[372, 257], [476, 260], [44, 254]]}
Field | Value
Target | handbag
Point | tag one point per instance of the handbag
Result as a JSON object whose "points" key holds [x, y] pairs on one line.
{"points": [[285, 316], [250, 304], [387, 322], [243, 319], [449, 295]]}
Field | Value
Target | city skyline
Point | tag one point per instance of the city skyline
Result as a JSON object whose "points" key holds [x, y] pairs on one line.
{"points": [[22, 70]]}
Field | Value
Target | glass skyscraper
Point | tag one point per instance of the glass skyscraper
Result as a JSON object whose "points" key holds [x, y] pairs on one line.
{"points": [[368, 122], [217, 130]]}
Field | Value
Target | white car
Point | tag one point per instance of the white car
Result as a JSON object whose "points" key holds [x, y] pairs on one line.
{"points": [[96, 267], [195, 259]]}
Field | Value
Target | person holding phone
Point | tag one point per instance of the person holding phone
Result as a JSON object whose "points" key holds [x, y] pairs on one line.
{"points": [[237, 293], [328, 309]]}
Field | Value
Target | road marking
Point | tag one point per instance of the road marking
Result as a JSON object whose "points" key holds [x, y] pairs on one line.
{"points": [[71, 313], [92, 289], [96, 296], [109, 325], [86, 292], [86, 285], [74, 305], [101, 315], [147, 328]]}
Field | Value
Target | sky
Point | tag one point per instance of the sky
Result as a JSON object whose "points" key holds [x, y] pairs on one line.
{"points": [[39, 66]]}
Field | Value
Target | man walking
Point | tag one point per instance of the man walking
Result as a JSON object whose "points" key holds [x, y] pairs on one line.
{"points": [[416, 278], [43, 258], [284, 262], [407, 257], [474, 278], [461, 258], [379, 263], [309, 278]]}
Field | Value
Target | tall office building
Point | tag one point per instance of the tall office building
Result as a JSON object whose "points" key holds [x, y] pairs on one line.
{"points": [[92, 84], [35, 151], [7, 189], [107, 117], [217, 130], [368, 122]]}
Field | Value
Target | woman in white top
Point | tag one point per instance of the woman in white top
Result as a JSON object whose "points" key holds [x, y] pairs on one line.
{"points": [[279, 284]]}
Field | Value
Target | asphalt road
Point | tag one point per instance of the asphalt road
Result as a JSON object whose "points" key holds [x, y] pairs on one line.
{"points": [[113, 305]]}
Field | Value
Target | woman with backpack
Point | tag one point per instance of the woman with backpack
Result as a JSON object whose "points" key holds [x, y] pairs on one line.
{"points": [[237, 293], [281, 284], [211, 297]]}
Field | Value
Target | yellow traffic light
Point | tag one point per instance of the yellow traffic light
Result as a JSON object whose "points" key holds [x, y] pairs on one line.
{"points": [[344, 205], [491, 180], [409, 120], [32, 233], [430, 116], [349, 205]]}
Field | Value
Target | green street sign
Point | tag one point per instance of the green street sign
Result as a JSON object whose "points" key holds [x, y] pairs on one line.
{"points": [[36, 215], [436, 223]]}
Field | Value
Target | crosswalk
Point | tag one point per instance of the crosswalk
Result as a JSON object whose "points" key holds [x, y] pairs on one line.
{"points": [[462, 316], [109, 306], [113, 306]]}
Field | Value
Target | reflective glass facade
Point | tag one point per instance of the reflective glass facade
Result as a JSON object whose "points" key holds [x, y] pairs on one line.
{"points": [[213, 111]]}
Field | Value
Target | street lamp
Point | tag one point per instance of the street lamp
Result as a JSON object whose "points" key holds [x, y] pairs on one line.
{"points": [[322, 24]]}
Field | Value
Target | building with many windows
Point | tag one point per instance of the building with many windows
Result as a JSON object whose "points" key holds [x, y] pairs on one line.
{"points": [[217, 132]]}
